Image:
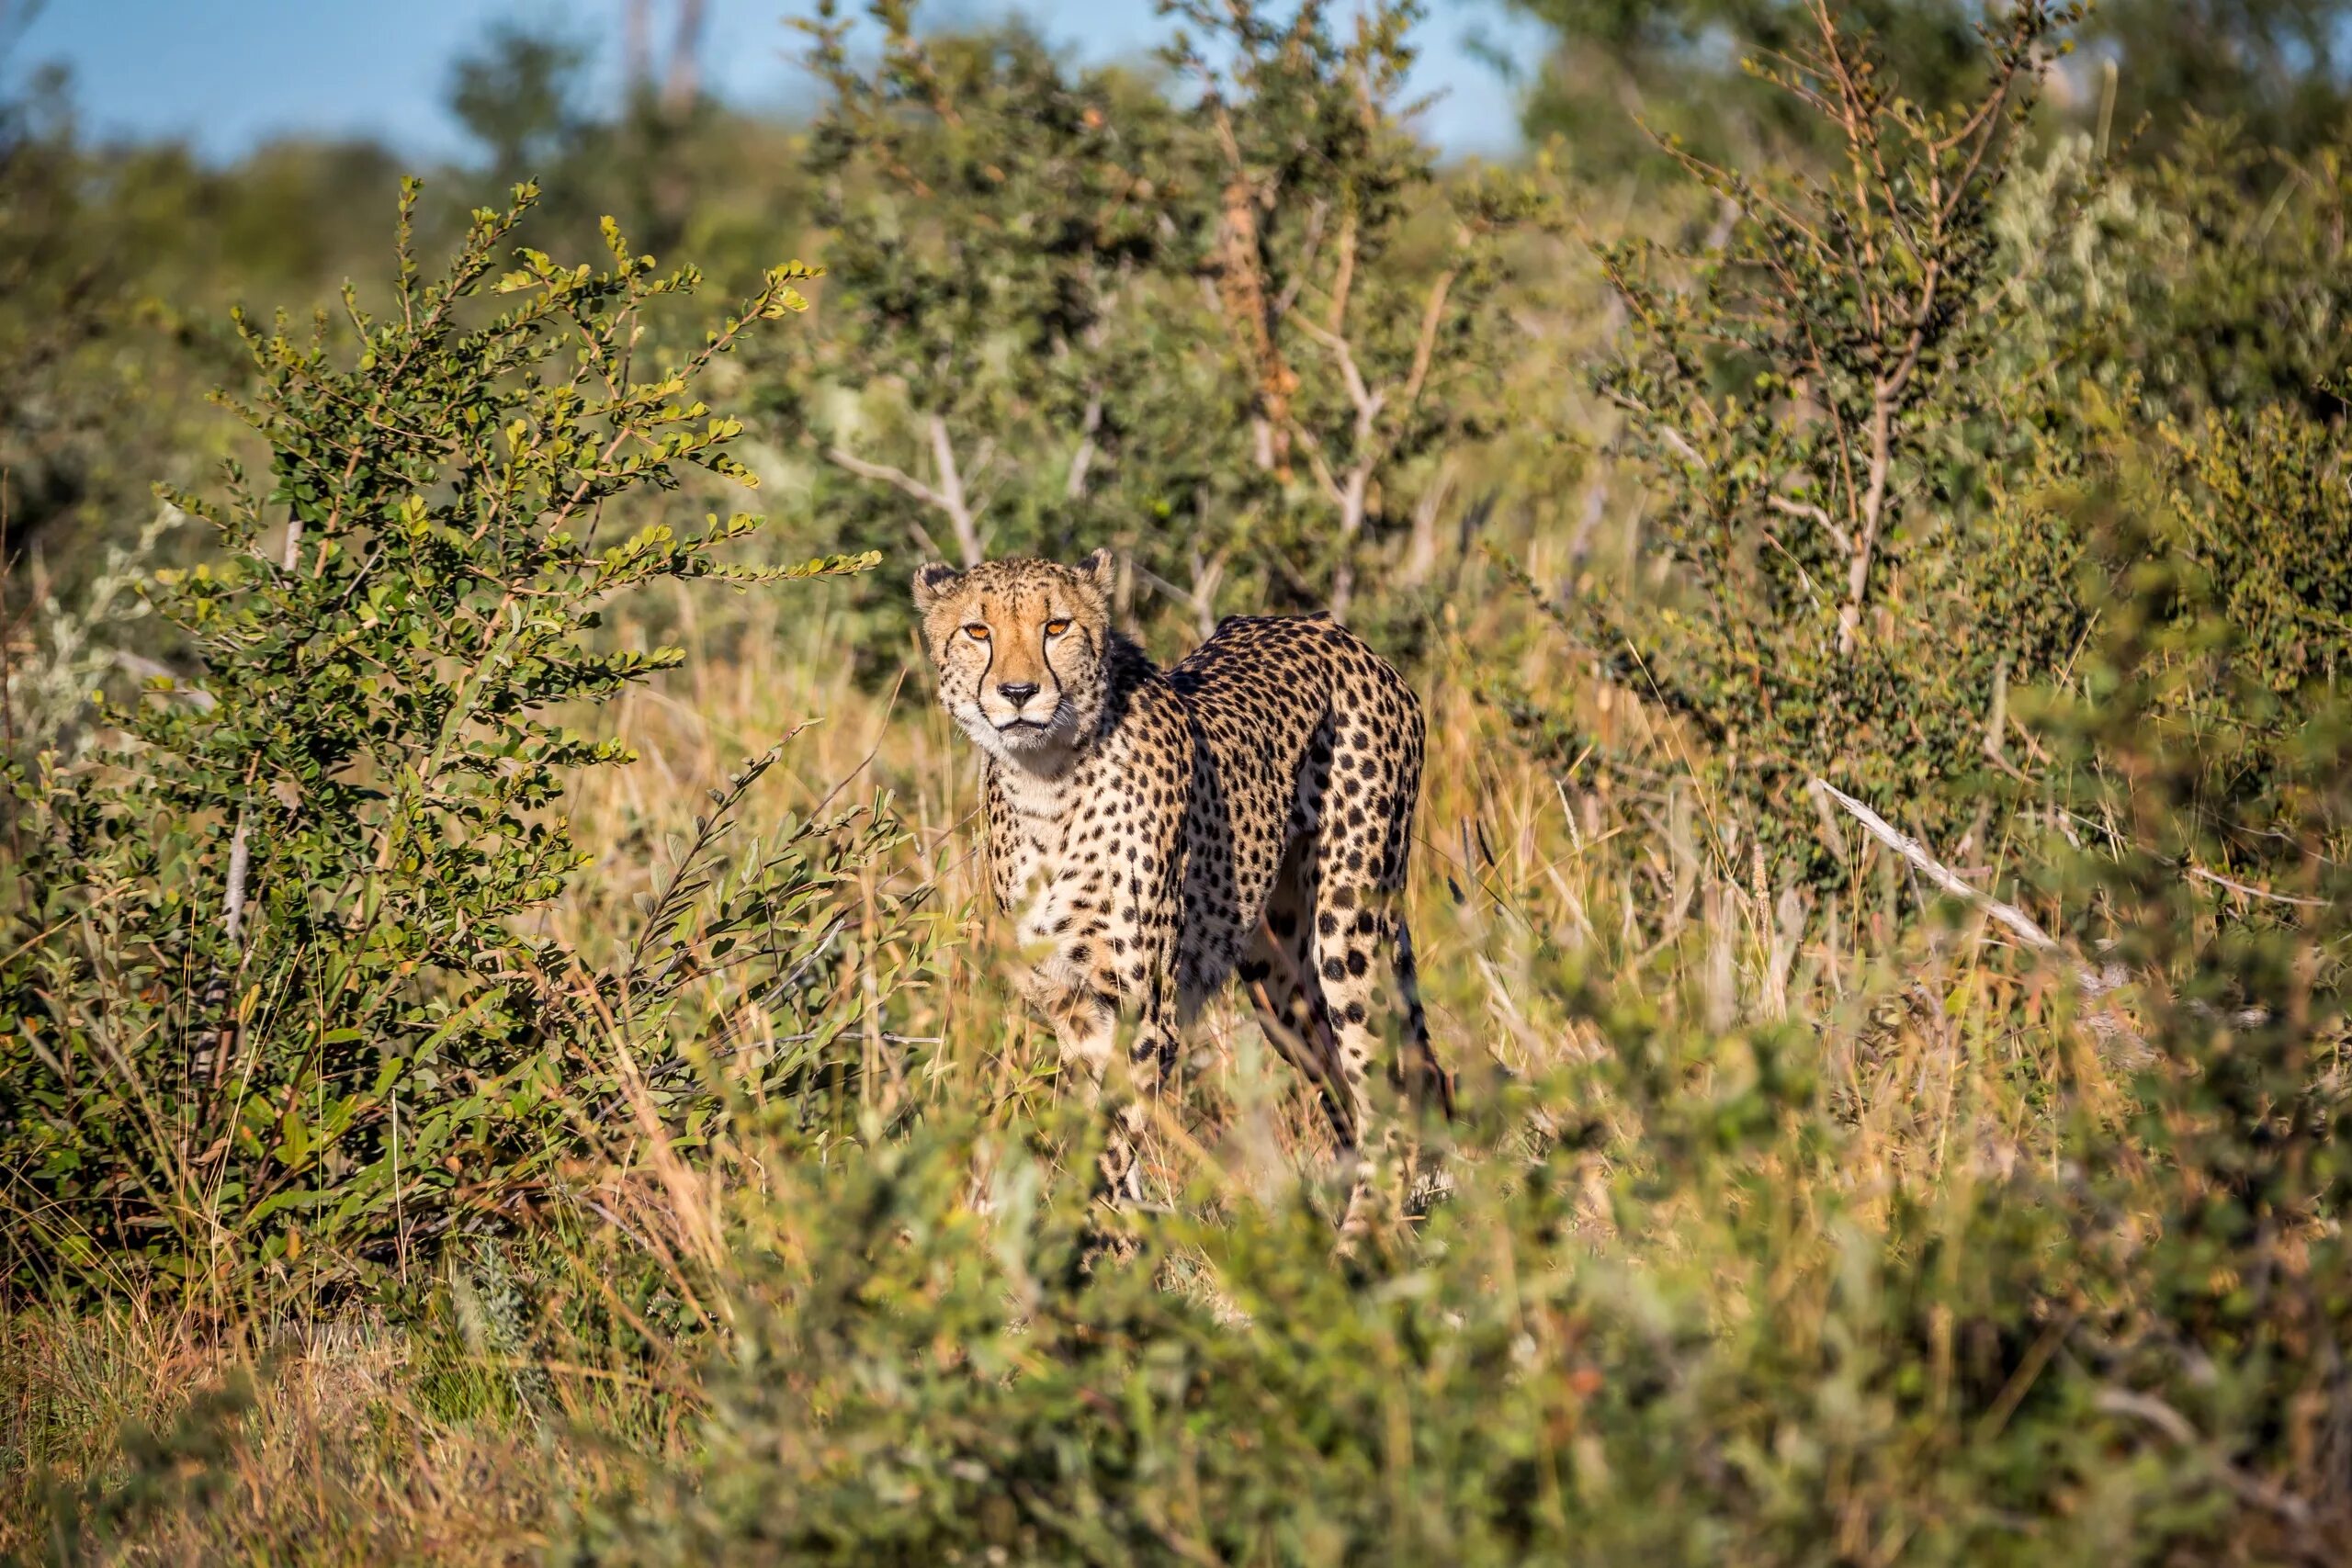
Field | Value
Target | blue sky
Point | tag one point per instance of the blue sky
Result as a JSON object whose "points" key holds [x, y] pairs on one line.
{"points": [[226, 73]]}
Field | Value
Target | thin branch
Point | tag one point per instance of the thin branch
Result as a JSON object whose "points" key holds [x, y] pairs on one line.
{"points": [[1074, 487], [1344, 284], [1367, 402], [1310, 248], [1673, 438], [1806, 509], [1885, 398], [232, 903], [924, 542], [949, 502], [1424, 346], [1323, 475], [897, 478], [2201, 875], [2256, 1489], [1910, 849], [959, 515], [1420, 559]]}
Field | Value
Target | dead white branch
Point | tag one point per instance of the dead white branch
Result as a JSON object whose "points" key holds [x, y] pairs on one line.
{"points": [[1074, 487], [233, 904], [1813, 514], [1911, 850], [2250, 891], [947, 498], [2096, 984], [951, 491], [1420, 559]]}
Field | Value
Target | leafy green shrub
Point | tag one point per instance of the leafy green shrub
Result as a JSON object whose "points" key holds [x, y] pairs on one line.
{"points": [[1000, 221], [1668, 1336], [2244, 299], [1816, 403], [2264, 504], [269, 982], [1235, 336], [2211, 1252], [2278, 66]]}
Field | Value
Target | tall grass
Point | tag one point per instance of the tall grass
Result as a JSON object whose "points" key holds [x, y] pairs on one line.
{"points": [[1568, 926], [1796, 1211]]}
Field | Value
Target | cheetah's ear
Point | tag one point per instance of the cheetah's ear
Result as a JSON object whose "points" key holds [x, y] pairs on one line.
{"points": [[933, 581], [1101, 568]]}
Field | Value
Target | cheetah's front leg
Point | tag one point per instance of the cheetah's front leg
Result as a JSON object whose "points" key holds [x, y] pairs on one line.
{"points": [[1099, 965]]}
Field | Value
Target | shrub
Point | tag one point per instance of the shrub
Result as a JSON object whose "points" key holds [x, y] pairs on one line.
{"points": [[270, 994], [1817, 404], [1233, 332]]}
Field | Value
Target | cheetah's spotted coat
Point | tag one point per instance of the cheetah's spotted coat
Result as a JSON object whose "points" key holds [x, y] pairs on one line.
{"points": [[1243, 815]]}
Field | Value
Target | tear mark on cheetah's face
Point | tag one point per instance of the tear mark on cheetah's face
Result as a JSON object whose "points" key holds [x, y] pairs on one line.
{"points": [[1019, 647]]}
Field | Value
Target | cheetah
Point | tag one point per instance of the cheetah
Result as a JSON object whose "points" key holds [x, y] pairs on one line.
{"points": [[1243, 815]]}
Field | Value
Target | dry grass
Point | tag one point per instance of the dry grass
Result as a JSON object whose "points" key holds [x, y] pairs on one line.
{"points": [[359, 1449]]}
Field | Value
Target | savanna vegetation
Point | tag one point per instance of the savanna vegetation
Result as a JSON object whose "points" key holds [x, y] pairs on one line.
{"points": [[505, 1053]]}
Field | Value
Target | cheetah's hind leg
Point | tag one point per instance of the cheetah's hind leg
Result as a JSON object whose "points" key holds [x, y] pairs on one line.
{"points": [[1357, 883], [1420, 1071], [1278, 973]]}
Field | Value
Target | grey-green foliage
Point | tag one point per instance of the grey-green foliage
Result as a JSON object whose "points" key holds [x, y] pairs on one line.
{"points": [[73, 649], [2214, 277], [277, 970], [2248, 300], [1846, 463], [1668, 1335], [1228, 321], [2278, 64]]}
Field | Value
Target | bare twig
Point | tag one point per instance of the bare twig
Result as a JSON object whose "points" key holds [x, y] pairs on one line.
{"points": [[2096, 984], [1911, 850], [948, 499], [1420, 559], [2247, 1488], [1361, 396], [1074, 487], [1887, 399], [1425, 345], [1344, 284], [233, 904], [2201, 875], [951, 490], [1813, 513], [1201, 601]]}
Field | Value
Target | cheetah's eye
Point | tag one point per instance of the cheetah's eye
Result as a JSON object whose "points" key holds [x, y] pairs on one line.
{"points": [[977, 631], [1056, 628]]}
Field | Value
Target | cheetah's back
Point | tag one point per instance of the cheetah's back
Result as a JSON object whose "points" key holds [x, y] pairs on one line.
{"points": [[1307, 754]]}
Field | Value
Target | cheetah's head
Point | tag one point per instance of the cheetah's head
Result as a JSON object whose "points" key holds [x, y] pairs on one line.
{"points": [[1018, 646]]}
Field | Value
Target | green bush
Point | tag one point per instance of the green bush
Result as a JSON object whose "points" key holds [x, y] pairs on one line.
{"points": [[1820, 400], [268, 982], [1234, 336]]}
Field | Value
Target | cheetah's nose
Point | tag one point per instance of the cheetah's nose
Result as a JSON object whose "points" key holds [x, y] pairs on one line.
{"points": [[1017, 693]]}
